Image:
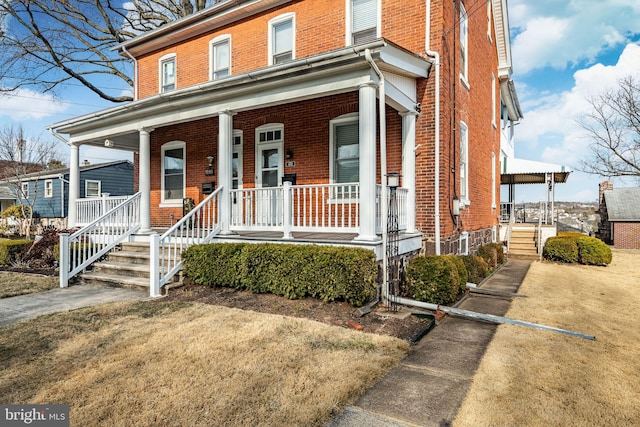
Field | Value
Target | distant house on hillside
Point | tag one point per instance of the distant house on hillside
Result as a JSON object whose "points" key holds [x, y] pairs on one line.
{"points": [[619, 216]]}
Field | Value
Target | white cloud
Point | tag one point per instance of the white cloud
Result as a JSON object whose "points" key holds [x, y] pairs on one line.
{"points": [[561, 33], [25, 104]]}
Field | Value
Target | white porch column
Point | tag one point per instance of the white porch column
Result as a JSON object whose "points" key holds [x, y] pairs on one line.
{"points": [[144, 180], [74, 184], [409, 166], [367, 129], [225, 170]]}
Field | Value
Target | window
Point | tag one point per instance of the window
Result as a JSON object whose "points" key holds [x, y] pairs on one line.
{"points": [[345, 149], [24, 187], [220, 57], [489, 20], [173, 161], [282, 39], [493, 180], [92, 188], [167, 73], [48, 188], [464, 44], [363, 21], [464, 165], [464, 243], [236, 160], [493, 100]]}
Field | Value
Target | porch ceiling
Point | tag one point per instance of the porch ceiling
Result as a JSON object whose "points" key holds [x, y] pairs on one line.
{"points": [[331, 73], [521, 171]]}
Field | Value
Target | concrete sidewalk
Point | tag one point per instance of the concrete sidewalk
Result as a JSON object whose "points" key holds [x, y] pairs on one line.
{"points": [[23, 307], [428, 387]]}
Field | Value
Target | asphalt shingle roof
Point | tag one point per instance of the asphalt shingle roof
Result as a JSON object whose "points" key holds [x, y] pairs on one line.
{"points": [[623, 204]]}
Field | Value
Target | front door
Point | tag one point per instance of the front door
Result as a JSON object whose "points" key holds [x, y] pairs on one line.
{"points": [[269, 172]]}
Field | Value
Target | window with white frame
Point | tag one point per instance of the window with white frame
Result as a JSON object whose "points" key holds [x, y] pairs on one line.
{"points": [[167, 73], [464, 163], [236, 160], [464, 243], [489, 20], [345, 149], [493, 180], [48, 188], [282, 39], [24, 189], [493, 100], [363, 21], [220, 57], [173, 172], [92, 188], [464, 44]]}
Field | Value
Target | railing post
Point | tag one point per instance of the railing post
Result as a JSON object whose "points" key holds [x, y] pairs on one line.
{"points": [[154, 266], [287, 210], [63, 266]]}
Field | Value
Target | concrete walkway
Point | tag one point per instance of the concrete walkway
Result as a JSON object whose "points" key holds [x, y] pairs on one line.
{"points": [[428, 387], [23, 307]]}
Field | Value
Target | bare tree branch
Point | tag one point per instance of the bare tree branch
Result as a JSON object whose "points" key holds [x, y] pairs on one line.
{"points": [[613, 126]]}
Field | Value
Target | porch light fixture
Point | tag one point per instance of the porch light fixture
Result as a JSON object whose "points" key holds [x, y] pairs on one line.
{"points": [[209, 170], [393, 179], [108, 143], [289, 153]]}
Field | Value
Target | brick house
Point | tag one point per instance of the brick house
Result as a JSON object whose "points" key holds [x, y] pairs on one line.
{"points": [[619, 211], [294, 113]]}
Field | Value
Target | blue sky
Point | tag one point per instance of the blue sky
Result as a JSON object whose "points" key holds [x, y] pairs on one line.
{"points": [[563, 51]]}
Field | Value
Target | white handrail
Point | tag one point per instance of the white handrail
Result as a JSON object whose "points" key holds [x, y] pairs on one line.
{"points": [[197, 227], [90, 208], [91, 242]]}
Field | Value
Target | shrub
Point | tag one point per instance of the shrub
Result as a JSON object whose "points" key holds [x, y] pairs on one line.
{"points": [[433, 279], [499, 252], [476, 268], [562, 249], [463, 275], [15, 211], [11, 250], [292, 271], [592, 251], [489, 254]]}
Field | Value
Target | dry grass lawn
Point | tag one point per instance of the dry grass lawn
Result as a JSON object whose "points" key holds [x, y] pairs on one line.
{"points": [[13, 284], [530, 377], [182, 364]]}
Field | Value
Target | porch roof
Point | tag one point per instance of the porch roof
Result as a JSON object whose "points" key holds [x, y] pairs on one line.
{"points": [[330, 73], [521, 171]]}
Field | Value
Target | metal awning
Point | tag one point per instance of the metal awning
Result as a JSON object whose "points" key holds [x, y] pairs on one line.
{"points": [[521, 171]]}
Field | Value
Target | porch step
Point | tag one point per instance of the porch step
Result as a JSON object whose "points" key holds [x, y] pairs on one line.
{"points": [[116, 280], [523, 243]]}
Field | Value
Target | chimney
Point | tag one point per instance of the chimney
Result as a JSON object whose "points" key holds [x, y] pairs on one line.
{"points": [[604, 186]]}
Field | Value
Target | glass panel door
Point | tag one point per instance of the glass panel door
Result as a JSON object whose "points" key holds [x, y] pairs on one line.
{"points": [[269, 170]]}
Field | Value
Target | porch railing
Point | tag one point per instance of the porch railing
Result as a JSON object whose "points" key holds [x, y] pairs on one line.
{"points": [[91, 208], [401, 205], [94, 240], [199, 226]]}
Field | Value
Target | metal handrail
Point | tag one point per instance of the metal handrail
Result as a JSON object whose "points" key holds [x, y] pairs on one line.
{"points": [[197, 227], [84, 247]]}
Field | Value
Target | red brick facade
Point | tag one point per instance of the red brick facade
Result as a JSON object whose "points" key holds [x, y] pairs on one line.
{"points": [[626, 235], [320, 27]]}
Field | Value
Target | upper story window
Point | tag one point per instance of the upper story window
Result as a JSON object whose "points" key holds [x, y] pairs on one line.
{"points": [[282, 43], [168, 72], [220, 57], [493, 100], [464, 44], [24, 189], [464, 163], [489, 20], [345, 149], [48, 188], [363, 21], [173, 183]]}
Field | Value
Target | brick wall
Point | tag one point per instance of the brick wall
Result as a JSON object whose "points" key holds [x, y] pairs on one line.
{"points": [[626, 235]]}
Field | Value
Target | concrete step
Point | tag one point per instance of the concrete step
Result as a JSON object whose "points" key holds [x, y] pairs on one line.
{"points": [[120, 269], [135, 247], [113, 280]]}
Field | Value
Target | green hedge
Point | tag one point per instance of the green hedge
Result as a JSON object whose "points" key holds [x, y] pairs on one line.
{"points": [[292, 271], [476, 268], [461, 268], [433, 279], [489, 254], [10, 250], [575, 247]]}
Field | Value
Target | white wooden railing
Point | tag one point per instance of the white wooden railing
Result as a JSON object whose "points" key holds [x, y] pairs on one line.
{"points": [[94, 240], [199, 226], [91, 208]]}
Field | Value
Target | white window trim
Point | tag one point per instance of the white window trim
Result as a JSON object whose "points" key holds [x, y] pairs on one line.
{"points": [[48, 188], [493, 180], [24, 189], [290, 16], [344, 119], [86, 186], [218, 40], [489, 16], [349, 21], [464, 40], [172, 203], [493, 100], [278, 143], [161, 60], [239, 149], [464, 238], [464, 199]]}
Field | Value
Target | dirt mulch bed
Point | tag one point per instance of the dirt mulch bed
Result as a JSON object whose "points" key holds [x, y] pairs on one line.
{"points": [[379, 321]]}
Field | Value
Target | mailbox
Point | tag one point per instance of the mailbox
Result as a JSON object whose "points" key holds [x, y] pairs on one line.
{"points": [[208, 187], [289, 177]]}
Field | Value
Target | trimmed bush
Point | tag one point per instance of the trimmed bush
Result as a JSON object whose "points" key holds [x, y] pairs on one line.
{"points": [[463, 275], [433, 279], [592, 251], [499, 252], [10, 250], [562, 249], [489, 254], [292, 271], [476, 268]]}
